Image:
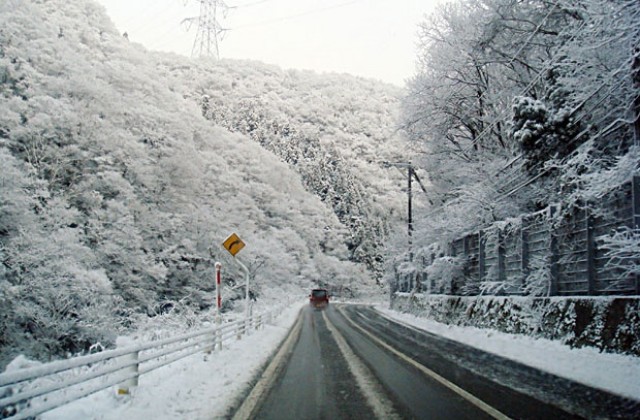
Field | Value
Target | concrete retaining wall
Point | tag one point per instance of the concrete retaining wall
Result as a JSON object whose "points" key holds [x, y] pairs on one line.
{"points": [[607, 323]]}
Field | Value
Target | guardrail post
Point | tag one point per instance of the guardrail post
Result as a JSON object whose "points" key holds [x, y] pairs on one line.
{"points": [[126, 386], [524, 255], [453, 286], [219, 337], [635, 195], [553, 252], [210, 349], [502, 257], [249, 318], [482, 239], [590, 242]]}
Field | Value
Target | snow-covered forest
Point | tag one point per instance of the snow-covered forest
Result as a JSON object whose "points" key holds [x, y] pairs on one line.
{"points": [[507, 90], [336, 132], [123, 170], [519, 105]]}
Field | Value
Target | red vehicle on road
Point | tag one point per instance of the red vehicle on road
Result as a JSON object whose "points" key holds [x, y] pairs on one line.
{"points": [[319, 298]]}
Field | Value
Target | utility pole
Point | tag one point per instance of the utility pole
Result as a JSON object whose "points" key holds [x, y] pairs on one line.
{"points": [[209, 29], [635, 73], [411, 174]]}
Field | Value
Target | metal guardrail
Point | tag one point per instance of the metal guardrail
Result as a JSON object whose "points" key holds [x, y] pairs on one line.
{"points": [[25, 393]]}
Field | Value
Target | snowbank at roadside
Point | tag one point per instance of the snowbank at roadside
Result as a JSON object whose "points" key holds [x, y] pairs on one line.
{"points": [[202, 386], [616, 373]]}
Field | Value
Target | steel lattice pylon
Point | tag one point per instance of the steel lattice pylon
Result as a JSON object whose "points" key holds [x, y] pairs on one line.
{"points": [[209, 29]]}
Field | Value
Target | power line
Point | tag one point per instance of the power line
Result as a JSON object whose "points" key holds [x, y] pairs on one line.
{"points": [[297, 15], [573, 140], [547, 66], [200, 36], [210, 30], [255, 3], [146, 11], [501, 117], [149, 19], [509, 190], [543, 171], [160, 41]]}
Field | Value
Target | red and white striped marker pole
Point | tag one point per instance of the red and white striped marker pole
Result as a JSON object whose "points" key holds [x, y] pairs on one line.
{"points": [[218, 297]]}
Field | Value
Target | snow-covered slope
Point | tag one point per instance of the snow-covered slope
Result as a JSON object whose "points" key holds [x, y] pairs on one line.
{"points": [[116, 191], [336, 130]]}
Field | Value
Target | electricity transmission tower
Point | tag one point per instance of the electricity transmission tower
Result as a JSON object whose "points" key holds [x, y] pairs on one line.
{"points": [[209, 29]]}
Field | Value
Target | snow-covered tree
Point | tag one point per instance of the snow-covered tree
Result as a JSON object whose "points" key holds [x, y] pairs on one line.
{"points": [[116, 191], [517, 105], [506, 94], [328, 134]]}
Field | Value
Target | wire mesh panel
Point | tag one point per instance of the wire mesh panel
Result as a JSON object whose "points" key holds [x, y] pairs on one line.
{"points": [[491, 255], [513, 257], [573, 270], [536, 229], [468, 250], [458, 250], [457, 247], [472, 269], [587, 249], [614, 219]]}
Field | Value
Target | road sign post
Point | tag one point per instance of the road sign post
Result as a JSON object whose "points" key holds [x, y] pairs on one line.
{"points": [[234, 244], [247, 307]]}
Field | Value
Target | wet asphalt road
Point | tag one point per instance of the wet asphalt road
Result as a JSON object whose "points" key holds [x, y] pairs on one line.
{"points": [[317, 382], [414, 374]]}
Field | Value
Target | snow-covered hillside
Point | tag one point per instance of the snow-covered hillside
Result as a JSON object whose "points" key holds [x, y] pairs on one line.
{"points": [[117, 186], [337, 131]]}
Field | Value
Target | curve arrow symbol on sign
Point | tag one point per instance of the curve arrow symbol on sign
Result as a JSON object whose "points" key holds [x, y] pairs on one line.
{"points": [[233, 244]]}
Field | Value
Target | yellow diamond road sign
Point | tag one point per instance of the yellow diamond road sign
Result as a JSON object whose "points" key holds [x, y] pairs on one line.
{"points": [[233, 244]]}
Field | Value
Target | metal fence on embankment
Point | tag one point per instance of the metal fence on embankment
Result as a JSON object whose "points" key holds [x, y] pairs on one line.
{"points": [[553, 252]]}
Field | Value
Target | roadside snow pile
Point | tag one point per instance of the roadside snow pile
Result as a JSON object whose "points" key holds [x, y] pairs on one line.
{"points": [[606, 323], [615, 373], [202, 386]]}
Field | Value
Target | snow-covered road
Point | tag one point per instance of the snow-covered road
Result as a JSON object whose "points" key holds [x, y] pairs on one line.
{"points": [[208, 386]]}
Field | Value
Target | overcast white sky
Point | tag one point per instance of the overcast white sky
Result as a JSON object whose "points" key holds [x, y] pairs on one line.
{"points": [[370, 38]]}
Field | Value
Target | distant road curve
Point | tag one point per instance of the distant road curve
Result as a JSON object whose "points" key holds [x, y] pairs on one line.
{"points": [[349, 361]]}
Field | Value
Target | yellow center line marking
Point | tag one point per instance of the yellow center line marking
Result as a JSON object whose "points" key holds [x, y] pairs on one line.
{"points": [[453, 387]]}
